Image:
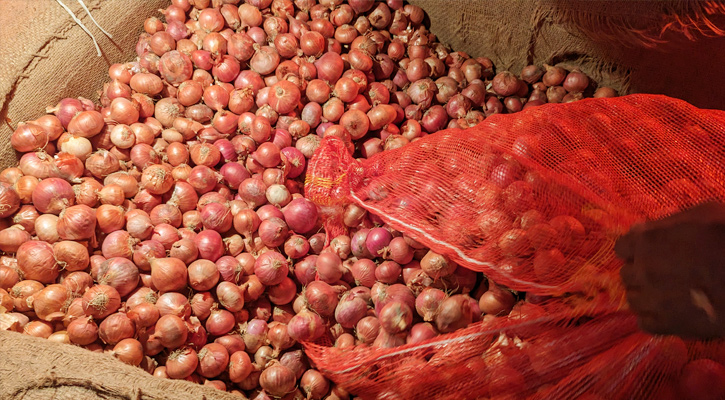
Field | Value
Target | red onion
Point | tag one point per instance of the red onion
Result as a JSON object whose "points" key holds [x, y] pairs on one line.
{"points": [[553, 76], [377, 240], [350, 309], [305, 270], [329, 67], [395, 292], [265, 60], [119, 273], [321, 298], [329, 267], [421, 332], [271, 268], [306, 326], [575, 81], [220, 322], [210, 245], [168, 274], [213, 359], [428, 302], [255, 335], [454, 313], [296, 247]]}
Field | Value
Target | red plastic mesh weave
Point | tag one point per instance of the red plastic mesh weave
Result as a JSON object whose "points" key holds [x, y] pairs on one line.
{"points": [[600, 165], [535, 200], [531, 357]]}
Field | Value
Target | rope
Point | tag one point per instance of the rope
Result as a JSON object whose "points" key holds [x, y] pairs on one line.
{"points": [[77, 21], [93, 19]]}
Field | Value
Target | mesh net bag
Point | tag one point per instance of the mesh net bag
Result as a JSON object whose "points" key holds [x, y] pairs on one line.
{"points": [[529, 355], [535, 201]]}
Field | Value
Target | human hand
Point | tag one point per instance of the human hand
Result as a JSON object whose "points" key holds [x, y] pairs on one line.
{"points": [[674, 272]]}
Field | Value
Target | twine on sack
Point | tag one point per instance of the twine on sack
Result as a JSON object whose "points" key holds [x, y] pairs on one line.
{"points": [[78, 21]]}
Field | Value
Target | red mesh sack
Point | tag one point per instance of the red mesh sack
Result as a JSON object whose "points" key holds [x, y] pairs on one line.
{"points": [[532, 356], [535, 200]]}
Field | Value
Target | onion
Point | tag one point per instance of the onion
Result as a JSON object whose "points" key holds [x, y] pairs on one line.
{"points": [[11, 238], [171, 331], [116, 327], [278, 338], [421, 332], [350, 309], [219, 322], [119, 273], [240, 366], [437, 265], [277, 379], [255, 335], [454, 313], [377, 240], [575, 81], [213, 359], [295, 247], [321, 298], [604, 91], [210, 245], [36, 260], [395, 317], [172, 303], [82, 331], [553, 76], [496, 301], [305, 270], [314, 384], [301, 215], [51, 303], [428, 302], [329, 67], [282, 293], [168, 274], [271, 268], [273, 231], [144, 315], [101, 301], [306, 326], [387, 294], [329, 267], [230, 296]]}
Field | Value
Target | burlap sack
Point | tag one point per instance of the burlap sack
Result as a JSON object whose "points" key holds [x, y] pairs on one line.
{"points": [[620, 43], [36, 369], [45, 56]]}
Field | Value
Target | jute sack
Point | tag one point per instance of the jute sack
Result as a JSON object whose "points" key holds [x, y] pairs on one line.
{"points": [[36, 369], [671, 47], [45, 56]]}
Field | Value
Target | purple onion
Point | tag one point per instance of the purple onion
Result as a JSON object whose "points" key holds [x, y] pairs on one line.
{"points": [[357, 244], [377, 239], [226, 148], [234, 173], [322, 128], [301, 215], [350, 309], [255, 335], [296, 160]]}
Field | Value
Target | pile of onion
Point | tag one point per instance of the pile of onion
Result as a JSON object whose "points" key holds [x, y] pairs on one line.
{"points": [[166, 223]]}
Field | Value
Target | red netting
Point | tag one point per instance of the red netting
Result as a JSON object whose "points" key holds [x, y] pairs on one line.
{"points": [[535, 201], [534, 357]]}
